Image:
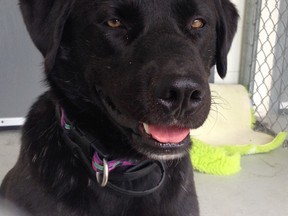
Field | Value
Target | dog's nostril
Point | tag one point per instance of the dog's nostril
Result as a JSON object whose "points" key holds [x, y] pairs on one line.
{"points": [[196, 96], [171, 95]]}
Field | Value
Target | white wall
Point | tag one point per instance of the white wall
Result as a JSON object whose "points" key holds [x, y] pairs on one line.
{"points": [[234, 56]]}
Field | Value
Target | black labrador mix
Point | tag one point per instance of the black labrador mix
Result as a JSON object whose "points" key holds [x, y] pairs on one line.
{"points": [[127, 81]]}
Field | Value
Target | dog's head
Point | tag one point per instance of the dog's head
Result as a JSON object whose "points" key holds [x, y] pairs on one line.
{"points": [[144, 64]]}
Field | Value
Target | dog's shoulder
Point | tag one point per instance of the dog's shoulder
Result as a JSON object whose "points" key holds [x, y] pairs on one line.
{"points": [[19, 186]]}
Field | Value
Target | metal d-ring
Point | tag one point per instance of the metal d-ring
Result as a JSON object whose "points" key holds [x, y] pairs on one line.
{"points": [[103, 182]]}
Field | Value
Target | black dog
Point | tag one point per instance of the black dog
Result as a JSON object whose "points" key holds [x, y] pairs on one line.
{"points": [[128, 79]]}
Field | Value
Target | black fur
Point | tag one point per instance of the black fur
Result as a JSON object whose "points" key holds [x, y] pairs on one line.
{"points": [[108, 81]]}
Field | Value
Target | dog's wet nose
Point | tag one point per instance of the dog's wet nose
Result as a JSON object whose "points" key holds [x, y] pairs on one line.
{"points": [[179, 95]]}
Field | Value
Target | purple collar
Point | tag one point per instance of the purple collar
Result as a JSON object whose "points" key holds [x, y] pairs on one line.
{"points": [[100, 166], [81, 143], [104, 167]]}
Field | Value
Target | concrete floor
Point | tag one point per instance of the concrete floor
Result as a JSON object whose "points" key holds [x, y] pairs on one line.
{"points": [[260, 189]]}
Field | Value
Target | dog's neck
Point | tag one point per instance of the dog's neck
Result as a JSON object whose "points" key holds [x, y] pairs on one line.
{"points": [[98, 162]]}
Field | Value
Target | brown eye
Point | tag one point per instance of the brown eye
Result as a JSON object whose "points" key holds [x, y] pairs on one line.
{"points": [[197, 24], [114, 23]]}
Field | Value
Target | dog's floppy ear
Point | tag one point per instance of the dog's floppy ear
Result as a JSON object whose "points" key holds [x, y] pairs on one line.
{"points": [[226, 29], [45, 21]]}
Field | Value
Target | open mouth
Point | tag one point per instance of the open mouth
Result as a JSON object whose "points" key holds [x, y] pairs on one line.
{"points": [[155, 141], [163, 142], [166, 134]]}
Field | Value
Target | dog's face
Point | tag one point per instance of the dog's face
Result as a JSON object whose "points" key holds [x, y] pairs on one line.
{"points": [[145, 64]]}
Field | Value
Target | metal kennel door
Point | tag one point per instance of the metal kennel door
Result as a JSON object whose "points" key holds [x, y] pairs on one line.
{"points": [[265, 62]]}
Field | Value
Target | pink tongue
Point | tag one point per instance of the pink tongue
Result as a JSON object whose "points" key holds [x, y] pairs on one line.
{"points": [[171, 134]]}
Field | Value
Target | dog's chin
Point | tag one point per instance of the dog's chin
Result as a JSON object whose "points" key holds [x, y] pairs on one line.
{"points": [[142, 140]]}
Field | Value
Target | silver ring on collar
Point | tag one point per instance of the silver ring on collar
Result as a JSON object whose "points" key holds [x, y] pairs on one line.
{"points": [[104, 180]]}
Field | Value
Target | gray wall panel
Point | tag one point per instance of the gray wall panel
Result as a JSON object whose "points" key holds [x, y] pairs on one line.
{"points": [[20, 64]]}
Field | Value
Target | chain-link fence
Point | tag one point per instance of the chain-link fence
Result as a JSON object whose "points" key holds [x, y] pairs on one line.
{"points": [[265, 62]]}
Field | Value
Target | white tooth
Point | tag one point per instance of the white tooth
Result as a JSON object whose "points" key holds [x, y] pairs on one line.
{"points": [[146, 128]]}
